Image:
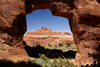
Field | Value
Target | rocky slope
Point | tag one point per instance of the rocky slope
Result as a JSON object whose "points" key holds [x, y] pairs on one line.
{"points": [[45, 36]]}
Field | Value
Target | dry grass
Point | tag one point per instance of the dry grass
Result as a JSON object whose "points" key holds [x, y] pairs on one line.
{"points": [[63, 48]]}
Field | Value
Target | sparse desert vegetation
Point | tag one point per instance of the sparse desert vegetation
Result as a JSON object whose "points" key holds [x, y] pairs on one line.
{"points": [[60, 44], [52, 55], [68, 44], [41, 57], [62, 47], [42, 61], [46, 62], [49, 45]]}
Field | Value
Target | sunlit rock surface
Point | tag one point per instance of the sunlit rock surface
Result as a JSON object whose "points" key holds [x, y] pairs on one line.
{"points": [[45, 36], [83, 15]]}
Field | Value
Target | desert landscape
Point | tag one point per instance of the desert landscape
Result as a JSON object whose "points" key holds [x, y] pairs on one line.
{"points": [[45, 36], [50, 48]]}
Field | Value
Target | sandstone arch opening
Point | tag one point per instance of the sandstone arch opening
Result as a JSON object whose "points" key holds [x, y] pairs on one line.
{"points": [[44, 18], [48, 30], [13, 25], [56, 26]]}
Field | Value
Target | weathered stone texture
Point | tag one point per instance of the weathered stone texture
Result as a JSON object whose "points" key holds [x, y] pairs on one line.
{"points": [[84, 20], [12, 28], [45, 36], [83, 15]]}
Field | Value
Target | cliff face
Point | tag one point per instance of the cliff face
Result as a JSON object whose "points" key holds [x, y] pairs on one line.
{"points": [[83, 15], [12, 28], [45, 36]]}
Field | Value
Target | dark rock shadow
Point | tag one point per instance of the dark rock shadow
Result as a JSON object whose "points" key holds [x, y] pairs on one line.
{"points": [[96, 55], [50, 53], [5, 63]]}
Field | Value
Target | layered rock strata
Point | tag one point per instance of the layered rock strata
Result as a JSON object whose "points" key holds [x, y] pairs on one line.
{"points": [[45, 36]]}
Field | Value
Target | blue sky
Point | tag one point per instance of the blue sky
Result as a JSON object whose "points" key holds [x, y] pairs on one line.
{"points": [[44, 18]]}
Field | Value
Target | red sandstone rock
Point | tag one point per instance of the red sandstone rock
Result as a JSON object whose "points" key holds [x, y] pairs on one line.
{"points": [[67, 33], [45, 28], [45, 36], [83, 15], [44, 31], [12, 28]]}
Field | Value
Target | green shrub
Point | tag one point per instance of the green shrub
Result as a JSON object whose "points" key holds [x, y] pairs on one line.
{"points": [[55, 45], [49, 45], [42, 61], [68, 44], [42, 56], [60, 44], [45, 62]]}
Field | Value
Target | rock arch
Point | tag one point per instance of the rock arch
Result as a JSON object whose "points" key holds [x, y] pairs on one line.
{"points": [[84, 20]]}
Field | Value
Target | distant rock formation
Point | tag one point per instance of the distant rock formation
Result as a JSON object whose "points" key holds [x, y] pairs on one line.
{"points": [[45, 28], [45, 36], [46, 31], [67, 33]]}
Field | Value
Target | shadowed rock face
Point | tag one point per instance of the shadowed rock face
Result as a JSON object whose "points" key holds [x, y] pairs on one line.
{"points": [[83, 15], [12, 28]]}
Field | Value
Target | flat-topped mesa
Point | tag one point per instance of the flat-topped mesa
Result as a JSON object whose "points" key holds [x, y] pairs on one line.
{"points": [[45, 31]]}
